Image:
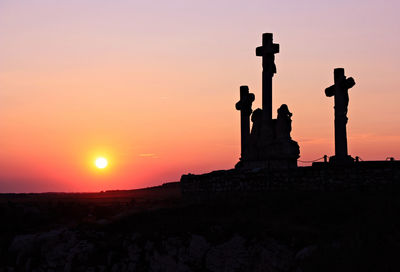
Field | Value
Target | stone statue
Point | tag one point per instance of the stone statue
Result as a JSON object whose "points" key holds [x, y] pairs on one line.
{"points": [[284, 123], [256, 119]]}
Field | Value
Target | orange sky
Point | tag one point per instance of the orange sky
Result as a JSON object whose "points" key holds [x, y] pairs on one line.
{"points": [[152, 86]]}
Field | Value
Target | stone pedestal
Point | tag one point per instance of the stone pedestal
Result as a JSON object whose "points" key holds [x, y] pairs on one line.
{"points": [[270, 145], [341, 160]]}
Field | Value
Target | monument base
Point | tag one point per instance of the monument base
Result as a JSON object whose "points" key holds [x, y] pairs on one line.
{"points": [[347, 160], [279, 154], [281, 149], [275, 164]]}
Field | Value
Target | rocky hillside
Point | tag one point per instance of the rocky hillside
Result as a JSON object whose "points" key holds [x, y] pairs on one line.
{"points": [[329, 231]]}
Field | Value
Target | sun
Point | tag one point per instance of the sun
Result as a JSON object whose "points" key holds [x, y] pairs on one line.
{"points": [[101, 162]]}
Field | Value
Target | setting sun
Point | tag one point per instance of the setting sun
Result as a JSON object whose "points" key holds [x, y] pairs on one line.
{"points": [[101, 163]]}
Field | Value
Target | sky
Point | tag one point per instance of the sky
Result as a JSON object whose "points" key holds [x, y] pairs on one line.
{"points": [[152, 85]]}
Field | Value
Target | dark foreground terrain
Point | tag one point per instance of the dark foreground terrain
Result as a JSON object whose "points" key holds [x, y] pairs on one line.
{"points": [[155, 230]]}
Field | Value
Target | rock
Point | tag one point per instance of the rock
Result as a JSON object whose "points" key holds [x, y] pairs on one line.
{"points": [[172, 245], [115, 268], [134, 236], [131, 266], [52, 246], [197, 248], [28, 264], [68, 266], [103, 222], [272, 256], [166, 263], [54, 250], [148, 248], [230, 256], [305, 253], [22, 242], [82, 252], [134, 253], [55, 246], [110, 257], [23, 247]]}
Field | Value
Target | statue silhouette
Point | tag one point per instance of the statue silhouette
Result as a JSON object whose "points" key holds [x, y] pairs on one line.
{"points": [[284, 123], [269, 143]]}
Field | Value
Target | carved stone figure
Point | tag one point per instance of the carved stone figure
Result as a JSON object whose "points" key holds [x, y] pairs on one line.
{"points": [[284, 123], [256, 119]]}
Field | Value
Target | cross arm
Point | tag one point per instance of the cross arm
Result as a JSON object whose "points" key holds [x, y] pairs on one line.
{"points": [[345, 84], [246, 102], [349, 83], [238, 105], [330, 91], [251, 97], [263, 50]]}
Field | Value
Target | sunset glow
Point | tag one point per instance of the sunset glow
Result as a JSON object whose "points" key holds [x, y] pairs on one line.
{"points": [[152, 86]]}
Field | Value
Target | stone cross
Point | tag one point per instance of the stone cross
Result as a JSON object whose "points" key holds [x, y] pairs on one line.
{"points": [[267, 51], [244, 106], [340, 92]]}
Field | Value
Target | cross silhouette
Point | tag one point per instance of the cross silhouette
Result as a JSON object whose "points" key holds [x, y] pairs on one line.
{"points": [[244, 106], [341, 96], [267, 51]]}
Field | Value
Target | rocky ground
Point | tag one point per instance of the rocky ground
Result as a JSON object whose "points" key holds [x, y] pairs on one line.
{"points": [[269, 232], [66, 250]]}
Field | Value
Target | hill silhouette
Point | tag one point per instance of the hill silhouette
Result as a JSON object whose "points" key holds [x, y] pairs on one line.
{"points": [[155, 229]]}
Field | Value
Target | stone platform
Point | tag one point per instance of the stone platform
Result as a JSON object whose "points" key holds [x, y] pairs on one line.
{"points": [[361, 176]]}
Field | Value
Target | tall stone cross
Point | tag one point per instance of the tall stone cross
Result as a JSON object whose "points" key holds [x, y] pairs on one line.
{"points": [[267, 51], [340, 92], [244, 106]]}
